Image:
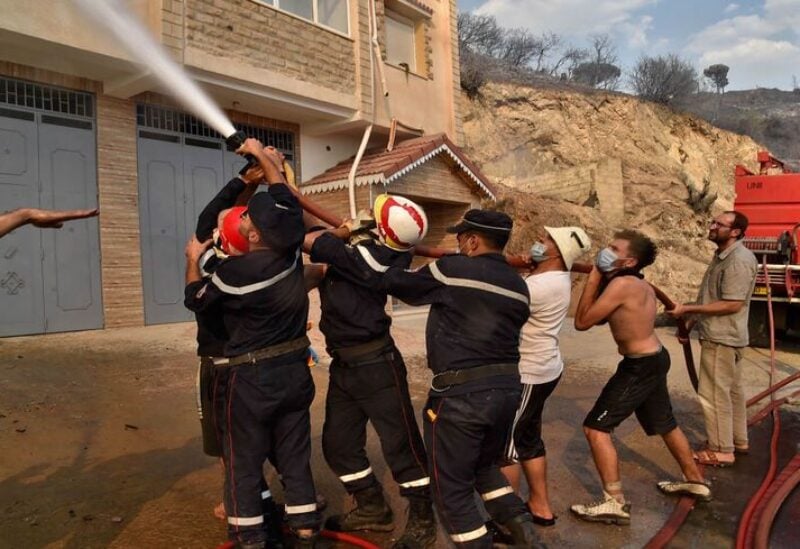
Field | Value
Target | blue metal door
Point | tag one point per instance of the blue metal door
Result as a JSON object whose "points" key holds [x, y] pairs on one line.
{"points": [[21, 299], [49, 279], [71, 258]]}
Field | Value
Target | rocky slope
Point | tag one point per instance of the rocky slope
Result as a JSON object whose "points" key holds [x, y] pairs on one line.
{"points": [[769, 116], [515, 132]]}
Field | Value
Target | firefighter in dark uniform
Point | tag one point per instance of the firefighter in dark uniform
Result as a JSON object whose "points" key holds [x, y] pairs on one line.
{"points": [[214, 222], [368, 383], [478, 307], [262, 298]]}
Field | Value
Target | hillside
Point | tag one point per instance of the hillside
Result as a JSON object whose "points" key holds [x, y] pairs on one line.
{"points": [[518, 133], [771, 117]]}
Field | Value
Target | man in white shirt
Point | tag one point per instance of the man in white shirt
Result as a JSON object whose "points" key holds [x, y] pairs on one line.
{"points": [[541, 364]]}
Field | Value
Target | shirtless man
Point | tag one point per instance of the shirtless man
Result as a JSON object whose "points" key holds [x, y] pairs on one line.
{"points": [[617, 293]]}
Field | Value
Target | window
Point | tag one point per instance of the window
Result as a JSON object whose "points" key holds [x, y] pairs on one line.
{"points": [[400, 41], [333, 14], [328, 13], [301, 8]]}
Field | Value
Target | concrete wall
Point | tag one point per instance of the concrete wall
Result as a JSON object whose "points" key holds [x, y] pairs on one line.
{"points": [[261, 37], [599, 182], [260, 56], [322, 152]]}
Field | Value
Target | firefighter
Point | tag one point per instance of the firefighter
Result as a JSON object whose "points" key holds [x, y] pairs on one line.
{"points": [[262, 299], [368, 375], [220, 220], [478, 307]]}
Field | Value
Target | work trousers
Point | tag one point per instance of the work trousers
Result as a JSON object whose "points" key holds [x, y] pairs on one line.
{"points": [[207, 383], [465, 436], [721, 396], [263, 413], [374, 390]]}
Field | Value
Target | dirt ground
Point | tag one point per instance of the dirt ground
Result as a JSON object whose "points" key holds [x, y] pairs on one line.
{"points": [[100, 447]]}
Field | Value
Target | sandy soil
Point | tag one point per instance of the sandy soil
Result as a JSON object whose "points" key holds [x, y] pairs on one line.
{"points": [[100, 447]]}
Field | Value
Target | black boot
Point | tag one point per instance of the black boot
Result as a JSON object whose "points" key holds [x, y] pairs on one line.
{"points": [[273, 516], [520, 532], [371, 513], [420, 530]]}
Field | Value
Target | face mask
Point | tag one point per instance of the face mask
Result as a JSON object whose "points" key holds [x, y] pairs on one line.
{"points": [[605, 260], [538, 252]]}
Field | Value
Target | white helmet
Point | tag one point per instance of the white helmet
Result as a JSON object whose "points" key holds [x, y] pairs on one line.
{"points": [[402, 224]]}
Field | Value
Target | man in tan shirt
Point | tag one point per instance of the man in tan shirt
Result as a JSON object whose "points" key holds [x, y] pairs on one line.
{"points": [[721, 311]]}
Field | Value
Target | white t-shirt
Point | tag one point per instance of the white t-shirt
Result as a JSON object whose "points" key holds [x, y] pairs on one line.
{"points": [[540, 357]]}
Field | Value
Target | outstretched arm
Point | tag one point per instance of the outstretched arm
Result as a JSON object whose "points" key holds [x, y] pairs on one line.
{"points": [[44, 219]]}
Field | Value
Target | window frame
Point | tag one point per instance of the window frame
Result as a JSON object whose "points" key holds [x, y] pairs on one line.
{"points": [[407, 21], [275, 4]]}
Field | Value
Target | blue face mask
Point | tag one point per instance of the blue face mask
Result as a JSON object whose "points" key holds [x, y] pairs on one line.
{"points": [[605, 260], [538, 252]]}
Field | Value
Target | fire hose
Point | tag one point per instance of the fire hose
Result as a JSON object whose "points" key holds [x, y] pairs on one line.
{"points": [[764, 505]]}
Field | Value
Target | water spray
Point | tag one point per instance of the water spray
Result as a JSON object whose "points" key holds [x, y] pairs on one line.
{"points": [[115, 18]]}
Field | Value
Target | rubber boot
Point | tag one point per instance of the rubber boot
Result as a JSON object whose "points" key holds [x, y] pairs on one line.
{"points": [[371, 513], [521, 532], [420, 530]]}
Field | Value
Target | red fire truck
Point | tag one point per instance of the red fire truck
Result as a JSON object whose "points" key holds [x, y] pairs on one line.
{"points": [[771, 201]]}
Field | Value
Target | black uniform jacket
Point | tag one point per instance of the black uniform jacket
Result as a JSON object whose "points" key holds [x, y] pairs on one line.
{"points": [[261, 296], [352, 300], [211, 332], [478, 307]]}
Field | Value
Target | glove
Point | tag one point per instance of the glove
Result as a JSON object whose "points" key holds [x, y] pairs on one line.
{"points": [[363, 221]]}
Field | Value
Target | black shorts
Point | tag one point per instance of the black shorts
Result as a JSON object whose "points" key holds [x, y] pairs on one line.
{"points": [[639, 386], [526, 440], [206, 384]]}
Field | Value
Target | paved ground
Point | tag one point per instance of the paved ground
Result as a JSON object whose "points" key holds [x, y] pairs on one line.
{"points": [[99, 445]]}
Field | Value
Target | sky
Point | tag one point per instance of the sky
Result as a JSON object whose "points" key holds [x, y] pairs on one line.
{"points": [[758, 39]]}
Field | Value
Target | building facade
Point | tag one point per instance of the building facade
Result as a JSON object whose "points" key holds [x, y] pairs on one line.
{"points": [[82, 124]]}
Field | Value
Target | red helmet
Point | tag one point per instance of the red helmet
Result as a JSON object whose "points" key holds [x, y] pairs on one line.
{"points": [[231, 241]]}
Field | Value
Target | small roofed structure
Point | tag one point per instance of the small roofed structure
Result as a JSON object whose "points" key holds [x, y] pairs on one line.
{"points": [[430, 170]]}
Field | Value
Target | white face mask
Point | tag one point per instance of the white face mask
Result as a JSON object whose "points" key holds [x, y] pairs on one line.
{"points": [[538, 252], [605, 260]]}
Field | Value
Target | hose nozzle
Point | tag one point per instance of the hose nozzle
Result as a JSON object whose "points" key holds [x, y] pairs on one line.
{"points": [[236, 140]]}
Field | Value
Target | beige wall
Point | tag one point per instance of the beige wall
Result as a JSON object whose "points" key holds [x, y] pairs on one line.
{"points": [[256, 35], [427, 100], [269, 58]]}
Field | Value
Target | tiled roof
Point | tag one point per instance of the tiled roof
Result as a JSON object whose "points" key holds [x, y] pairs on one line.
{"points": [[382, 166]]}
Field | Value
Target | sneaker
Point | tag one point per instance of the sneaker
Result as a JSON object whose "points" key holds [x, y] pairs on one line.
{"points": [[697, 490], [608, 510]]}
